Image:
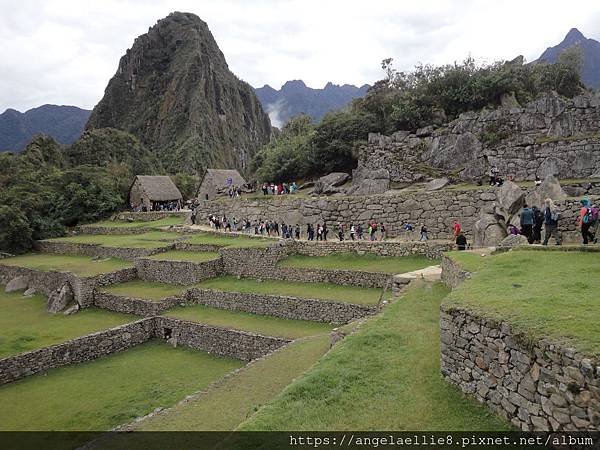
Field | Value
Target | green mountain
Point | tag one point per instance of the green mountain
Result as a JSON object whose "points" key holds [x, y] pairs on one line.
{"points": [[174, 91]]}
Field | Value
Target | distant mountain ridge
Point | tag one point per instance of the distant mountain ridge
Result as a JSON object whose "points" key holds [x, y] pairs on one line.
{"points": [[295, 98], [590, 73], [64, 123]]}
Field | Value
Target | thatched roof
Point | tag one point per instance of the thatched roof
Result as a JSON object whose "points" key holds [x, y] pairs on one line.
{"points": [[218, 177], [159, 188]]}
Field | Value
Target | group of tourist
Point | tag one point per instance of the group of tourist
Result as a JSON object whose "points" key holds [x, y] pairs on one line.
{"points": [[279, 189], [532, 219], [156, 206], [234, 191]]}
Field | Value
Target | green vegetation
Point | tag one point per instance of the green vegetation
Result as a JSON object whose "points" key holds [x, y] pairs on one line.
{"points": [[229, 240], [319, 291], [179, 255], [102, 394], [386, 376], [408, 101], [80, 265], [25, 325], [354, 261], [151, 239], [164, 222], [542, 294], [471, 261], [265, 325], [145, 289], [238, 397]]}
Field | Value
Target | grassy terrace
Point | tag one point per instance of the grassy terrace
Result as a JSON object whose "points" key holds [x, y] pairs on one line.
{"points": [[145, 289], [179, 255], [238, 241], [79, 265], [25, 325], [320, 291], [365, 263], [102, 394], [265, 325], [386, 376], [542, 294], [164, 222], [226, 406], [151, 239]]}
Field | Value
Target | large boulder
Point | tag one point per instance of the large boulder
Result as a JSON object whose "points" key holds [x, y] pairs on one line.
{"points": [[334, 179], [513, 240], [488, 231], [17, 284], [61, 299], [511, 198], [370, 187], [551, 188], [436, 184]]}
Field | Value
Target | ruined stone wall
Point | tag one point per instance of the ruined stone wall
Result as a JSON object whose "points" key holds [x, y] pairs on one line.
{"points": [[220, 341], [96, 250], [136, 306], [550, 135], [281, 306], [75, 351], [431, 250], [178, 272], [537, 386], [151, 215], [90, 229], [452, 273]]}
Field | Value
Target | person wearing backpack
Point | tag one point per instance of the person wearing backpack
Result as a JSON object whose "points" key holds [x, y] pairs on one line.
{"points": [[586, 220], [538, 223], [551, 218], [527, 220]]}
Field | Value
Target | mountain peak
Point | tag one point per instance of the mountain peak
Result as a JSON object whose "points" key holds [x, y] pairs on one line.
{"points": [[574, 37]]}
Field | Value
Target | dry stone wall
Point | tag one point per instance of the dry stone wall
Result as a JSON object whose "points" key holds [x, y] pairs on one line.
{"points": [[96, 250], [137, 306], [549, 136], [539, 387], [220, 341], [149, 216], [75, 351], [178, 272], [431, 250], [452, 273]]}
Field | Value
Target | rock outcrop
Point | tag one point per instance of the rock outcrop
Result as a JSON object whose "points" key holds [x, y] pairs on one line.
{"points": [[548, 136], [61, 300], [174, 91], [17, 284]]}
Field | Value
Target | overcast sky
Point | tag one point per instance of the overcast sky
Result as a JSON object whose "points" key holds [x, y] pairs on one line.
{"points": [[65, 51]]}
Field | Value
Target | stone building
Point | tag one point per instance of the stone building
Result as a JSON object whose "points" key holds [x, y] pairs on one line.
{"points": [[153, 192], [217, 182]]}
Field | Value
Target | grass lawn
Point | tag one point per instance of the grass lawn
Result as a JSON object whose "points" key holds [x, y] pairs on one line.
{"points": [[77, 264], [319, 291], [226, 406], [386, 376], [164, 222], [180, 255], [25, 325], [144, 289], [103, 393], [471, 261], [542, 294], [233, 240], [151, 239], [365, 263], [255, 323]]}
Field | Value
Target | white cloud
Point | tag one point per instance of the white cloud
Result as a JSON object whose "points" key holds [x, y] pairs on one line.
{"points": [[65, 51]]}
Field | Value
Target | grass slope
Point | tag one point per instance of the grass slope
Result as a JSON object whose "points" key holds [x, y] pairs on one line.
{"points": [[265, 325], [180, 255], [102, 394], [542, 294], [226, 406], [164, 222], [25, 325], [151, 239], [145, 289], [229, 240], [319, 291], [384, 377], [366, 263], [79, 265]]}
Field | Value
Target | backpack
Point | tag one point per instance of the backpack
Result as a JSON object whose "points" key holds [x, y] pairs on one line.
{"points": [[594, 213], [589, 215], [555, 215]]}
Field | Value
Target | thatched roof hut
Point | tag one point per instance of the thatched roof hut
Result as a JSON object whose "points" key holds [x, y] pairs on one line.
{"points": [[217, 182], [149, 189]]}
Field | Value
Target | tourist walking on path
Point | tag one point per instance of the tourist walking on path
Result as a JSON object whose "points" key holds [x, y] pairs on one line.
{"points": [[423, 233], [551, 218], [588, 216], [461, 241], [538, 222], [297, 231], [359, 232], [527, 220], [373, 230], [382, 230], [352, 232], [325, 231]]}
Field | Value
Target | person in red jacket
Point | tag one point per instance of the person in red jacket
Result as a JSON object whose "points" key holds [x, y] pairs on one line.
{"points": [[456, 228]]}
